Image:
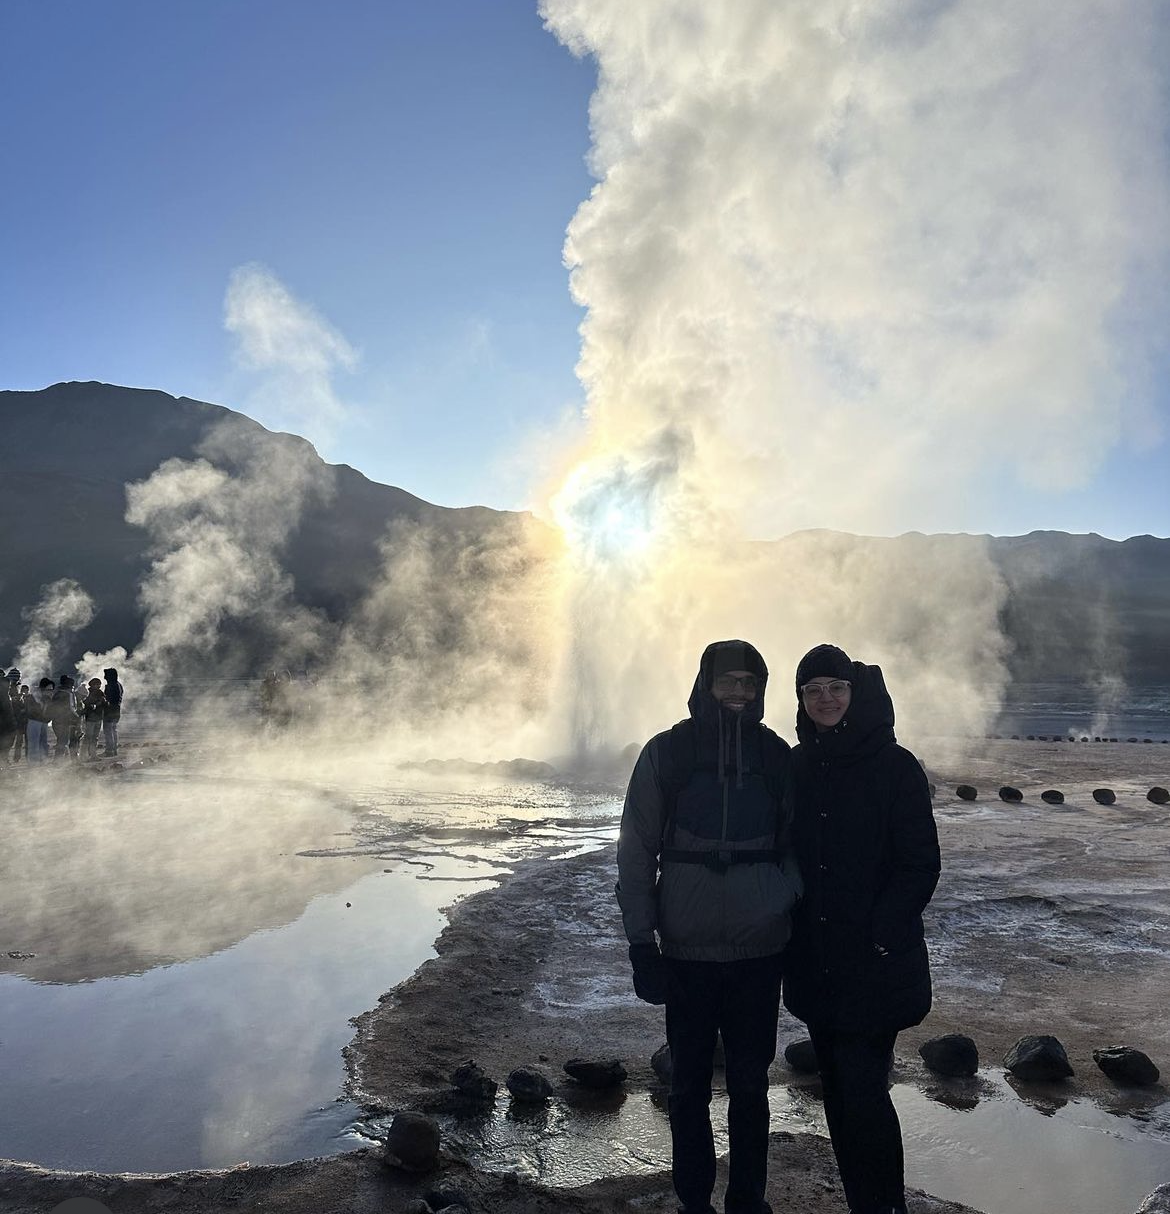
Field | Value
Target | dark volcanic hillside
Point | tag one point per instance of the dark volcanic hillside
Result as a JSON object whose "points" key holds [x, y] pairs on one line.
{"points": [[1078, 606], [72, 449]]}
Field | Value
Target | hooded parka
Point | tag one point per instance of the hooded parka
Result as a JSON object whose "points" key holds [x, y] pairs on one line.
{"points": [[865, 839], [729, 909]]}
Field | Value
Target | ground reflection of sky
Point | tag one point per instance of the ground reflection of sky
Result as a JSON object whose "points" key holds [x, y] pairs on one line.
{"points": [[200, 945]]}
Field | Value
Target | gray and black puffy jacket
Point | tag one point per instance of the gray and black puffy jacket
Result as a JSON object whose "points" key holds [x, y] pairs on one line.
{"points": [[703, 858]]}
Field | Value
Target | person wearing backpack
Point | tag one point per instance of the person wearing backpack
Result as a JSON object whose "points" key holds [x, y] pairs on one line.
{"points": [[706, 886], [856, 971], [113, 711]]}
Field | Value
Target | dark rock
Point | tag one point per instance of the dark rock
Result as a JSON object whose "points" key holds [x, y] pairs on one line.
{"points": [[1126, 1065], [1008, 793], [966, 793], [1104, 796], [1158, 1202], [1038, 1057], [596, 1073], [801, 1057], [471, 1082], [661, 1064], [1052, 796], [528, 1085], [1159, 795], [412, 1142], [447, 1197], [416, 1205], [953, 1055]]}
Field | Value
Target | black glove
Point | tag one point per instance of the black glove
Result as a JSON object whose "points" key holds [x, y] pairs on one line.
{"points": [[649, 973]]}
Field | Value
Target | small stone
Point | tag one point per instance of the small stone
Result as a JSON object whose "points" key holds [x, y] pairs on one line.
{"points": [[596, 1073], [965, 792], [447, 1197], [1008, 793], [1124, 1064], [1104, 796], [1038, 1056], [1158, 795], [528, 1086], [1158, 1202], [660, 1063], [471, 1082], [953, 1055], [412, 1142], [801, 1057], [1052, 796], [416, 1205]]}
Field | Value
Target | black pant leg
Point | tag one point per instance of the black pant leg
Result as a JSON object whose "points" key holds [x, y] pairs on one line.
{"points": [[751, 1004], [863, 1124], [692, 1024]]}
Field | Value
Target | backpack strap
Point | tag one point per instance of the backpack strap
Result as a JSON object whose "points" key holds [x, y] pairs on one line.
{"points": [[678, 759]]}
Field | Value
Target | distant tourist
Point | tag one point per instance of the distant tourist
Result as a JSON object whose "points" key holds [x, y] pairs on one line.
{"points": [[113, 711], [706, 886], [64, 718], [39, 707], [7, 721], [20, 711], [856, 971], [93, 709]]}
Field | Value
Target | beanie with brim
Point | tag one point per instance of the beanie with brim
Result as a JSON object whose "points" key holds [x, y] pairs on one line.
{"points": [[823, 662], [735, 655]]}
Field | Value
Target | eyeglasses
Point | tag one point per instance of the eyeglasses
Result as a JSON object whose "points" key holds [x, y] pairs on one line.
{"points": [[729, 682], [837, 688]]}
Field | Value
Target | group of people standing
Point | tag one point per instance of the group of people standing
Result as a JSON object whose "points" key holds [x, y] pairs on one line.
{"points": [[751, 873], [75, 716]]}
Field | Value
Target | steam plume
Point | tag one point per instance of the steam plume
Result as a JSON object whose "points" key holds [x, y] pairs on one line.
{"points": [[844, 264], [64, 608]]}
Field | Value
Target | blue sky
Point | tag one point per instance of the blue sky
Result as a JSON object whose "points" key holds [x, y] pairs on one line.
{"points": [[406, 171]]}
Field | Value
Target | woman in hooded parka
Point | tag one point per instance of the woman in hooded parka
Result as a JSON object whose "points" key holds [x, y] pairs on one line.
{"points": [[856, 968]]}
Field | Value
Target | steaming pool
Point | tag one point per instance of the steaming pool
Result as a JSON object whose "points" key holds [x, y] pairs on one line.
{"points": [[201, 942]]}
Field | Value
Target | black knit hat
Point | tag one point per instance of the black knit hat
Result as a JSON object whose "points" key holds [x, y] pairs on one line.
{"points": [[825, 661], [734, 655]]}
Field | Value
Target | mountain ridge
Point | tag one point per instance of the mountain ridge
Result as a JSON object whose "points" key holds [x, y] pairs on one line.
{"points": [[1073, 601]]}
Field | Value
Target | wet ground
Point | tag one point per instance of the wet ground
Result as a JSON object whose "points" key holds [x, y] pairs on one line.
{"points": [[181, 954], [200, 943], [977, 1143]]}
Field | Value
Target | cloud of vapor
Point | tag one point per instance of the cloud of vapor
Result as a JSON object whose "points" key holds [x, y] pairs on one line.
{"points": [[63, 609], [845, 266], [217, 597], [297, 351], [450, 652]]}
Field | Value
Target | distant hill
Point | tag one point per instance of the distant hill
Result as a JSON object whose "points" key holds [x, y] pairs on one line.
{"points": [[1076, 604], [71, 449]]}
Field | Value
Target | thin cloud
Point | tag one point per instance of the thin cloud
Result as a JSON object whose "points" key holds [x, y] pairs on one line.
{"points": [[296, 351]]}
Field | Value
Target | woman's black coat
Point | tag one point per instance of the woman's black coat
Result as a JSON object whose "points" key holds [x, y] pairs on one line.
{"points": [[865, 839]]}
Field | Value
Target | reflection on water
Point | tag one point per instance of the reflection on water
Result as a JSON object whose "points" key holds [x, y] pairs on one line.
{"points": [[204, 1064], [1010, 1156], [974, 1142], [201, 943]]}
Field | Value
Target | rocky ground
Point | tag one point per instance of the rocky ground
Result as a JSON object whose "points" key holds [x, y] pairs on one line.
{"points": [[1049, 919]]}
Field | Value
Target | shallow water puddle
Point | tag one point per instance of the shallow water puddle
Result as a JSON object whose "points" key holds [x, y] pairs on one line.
{"points": [[231, 1057], [190, 949], [1001, 1155]]}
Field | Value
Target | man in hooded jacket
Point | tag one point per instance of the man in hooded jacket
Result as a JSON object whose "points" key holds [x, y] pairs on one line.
{"points": [[706, 886], [857, 970]]}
